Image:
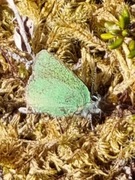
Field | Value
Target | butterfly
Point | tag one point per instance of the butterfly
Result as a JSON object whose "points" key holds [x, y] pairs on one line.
{"points": [[55, 90]]}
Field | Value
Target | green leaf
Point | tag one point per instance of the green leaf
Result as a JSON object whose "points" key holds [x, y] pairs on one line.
{"points": [[131, 45], [124, 18], [121, 22], [112, 28], [131, 54], [116, 43], [125, 33], [107, 36]]}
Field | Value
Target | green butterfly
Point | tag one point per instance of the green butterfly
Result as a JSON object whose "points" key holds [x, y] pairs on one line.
{"points": [[55, 90]]}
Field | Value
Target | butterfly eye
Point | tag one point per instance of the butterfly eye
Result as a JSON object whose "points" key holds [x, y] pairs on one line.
{"points": [[94, 98]]}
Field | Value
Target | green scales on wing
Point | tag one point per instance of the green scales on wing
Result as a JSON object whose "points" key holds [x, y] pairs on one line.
{"points": [[54, 89]]}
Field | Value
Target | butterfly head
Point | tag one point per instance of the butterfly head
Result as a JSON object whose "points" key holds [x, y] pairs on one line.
{"points": [[91, 108]]}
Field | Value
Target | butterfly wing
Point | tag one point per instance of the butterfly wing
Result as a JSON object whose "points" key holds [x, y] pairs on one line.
{"points": [[54, 89]]}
